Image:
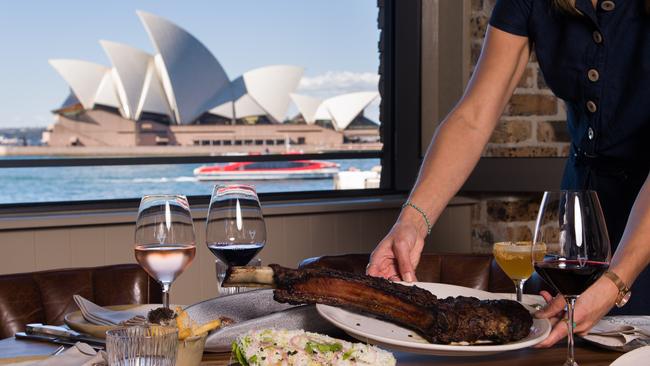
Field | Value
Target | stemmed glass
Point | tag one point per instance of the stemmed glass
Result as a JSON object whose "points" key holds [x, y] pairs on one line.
{"points": [[164, 238], [514, 258], [571, 230], [235, 228]]}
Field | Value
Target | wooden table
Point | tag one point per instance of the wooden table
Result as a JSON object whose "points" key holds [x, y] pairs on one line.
{"points": [[586, 355]]}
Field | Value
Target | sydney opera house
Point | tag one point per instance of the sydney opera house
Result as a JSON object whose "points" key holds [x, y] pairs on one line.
{"points": [[181, 95]]}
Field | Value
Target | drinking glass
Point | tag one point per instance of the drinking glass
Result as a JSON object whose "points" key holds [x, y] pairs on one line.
{"points": [[571, 230], [515, 259], [164, 238], [235, 228], [151, 345]]}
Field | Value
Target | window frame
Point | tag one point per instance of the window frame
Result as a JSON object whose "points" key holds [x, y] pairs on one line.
{"points": [[400, 88], [402, 132]]}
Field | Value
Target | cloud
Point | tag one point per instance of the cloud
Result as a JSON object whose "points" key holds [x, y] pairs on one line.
{"points": [[334, 83]]}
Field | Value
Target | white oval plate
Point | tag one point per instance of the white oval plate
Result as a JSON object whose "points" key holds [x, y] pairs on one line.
{"points": [[389, 335], [633, 358]]}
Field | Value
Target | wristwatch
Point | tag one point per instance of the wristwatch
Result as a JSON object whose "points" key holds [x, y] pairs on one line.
{"points": [[624, 292]]}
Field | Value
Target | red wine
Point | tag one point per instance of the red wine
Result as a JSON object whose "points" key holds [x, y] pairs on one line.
{"points": [[568, 277], [235, 254]]}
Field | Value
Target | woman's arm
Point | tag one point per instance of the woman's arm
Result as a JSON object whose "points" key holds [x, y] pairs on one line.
{"points": [[633, 253], [631, 257], [454, 151]]}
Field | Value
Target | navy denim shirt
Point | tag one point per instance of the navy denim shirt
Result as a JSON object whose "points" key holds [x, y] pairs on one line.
{"points": [[599, 64]]}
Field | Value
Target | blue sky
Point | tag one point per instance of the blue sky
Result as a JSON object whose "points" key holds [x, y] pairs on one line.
{"points": [[334, 40]]}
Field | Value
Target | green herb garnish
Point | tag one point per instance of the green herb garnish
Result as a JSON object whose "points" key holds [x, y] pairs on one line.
{"points": [[347, 354], [239, 355], [311, 347]]}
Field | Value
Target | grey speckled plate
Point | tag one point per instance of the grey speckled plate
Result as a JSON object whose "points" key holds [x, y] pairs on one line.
{"points": [[254, 310]]}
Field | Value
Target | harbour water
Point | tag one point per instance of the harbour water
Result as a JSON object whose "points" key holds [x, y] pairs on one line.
{"points": [[66, 184]]}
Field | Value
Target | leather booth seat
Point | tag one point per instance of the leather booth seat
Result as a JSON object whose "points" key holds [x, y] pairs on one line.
{"points": [[469, 270], [46, 297]]}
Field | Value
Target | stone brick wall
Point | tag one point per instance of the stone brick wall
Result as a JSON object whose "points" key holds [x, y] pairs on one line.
{"points": [[533, 125], [503, 218], [534, 122]]}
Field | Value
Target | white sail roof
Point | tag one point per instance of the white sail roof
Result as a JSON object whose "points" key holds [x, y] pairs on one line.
{"points": [[224, 110], [130, 70], [193, 78], [83, 77], [227, 98], [270, 87], [323, 113], [153, 98], [346, 107], [307, 106], [259, 92], [246, 106], [106, 92]]}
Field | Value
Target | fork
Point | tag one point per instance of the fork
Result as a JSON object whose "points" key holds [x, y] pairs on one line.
{"points": [[624, 329]]}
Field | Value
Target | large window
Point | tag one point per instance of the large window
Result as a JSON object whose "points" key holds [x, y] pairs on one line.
{"points": [[112, 101]]}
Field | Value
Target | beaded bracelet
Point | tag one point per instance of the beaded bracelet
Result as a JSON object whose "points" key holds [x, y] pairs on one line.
{"points": [[421, 211]]}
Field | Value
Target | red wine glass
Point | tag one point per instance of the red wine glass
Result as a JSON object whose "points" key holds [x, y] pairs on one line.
{"points": [[571, 231], [235, 228]]}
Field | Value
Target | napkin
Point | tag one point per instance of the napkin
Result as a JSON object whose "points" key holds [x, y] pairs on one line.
{"points": [[254, 310], [80, 354], [621, 333], [98, 315]]}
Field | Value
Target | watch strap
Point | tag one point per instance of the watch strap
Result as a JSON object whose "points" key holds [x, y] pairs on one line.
{"points": [[623, 290]]}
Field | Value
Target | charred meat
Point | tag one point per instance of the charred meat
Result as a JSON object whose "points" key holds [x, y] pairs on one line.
{"points": [[459, 319]]}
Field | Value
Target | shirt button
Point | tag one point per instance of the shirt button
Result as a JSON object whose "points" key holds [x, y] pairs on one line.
{"points": [[591, 106], [607, 5], [593, 75], [590, 133], [598, 37]]}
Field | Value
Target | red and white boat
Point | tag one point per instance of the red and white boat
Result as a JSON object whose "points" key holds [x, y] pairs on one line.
{"points": [[268, 170]]}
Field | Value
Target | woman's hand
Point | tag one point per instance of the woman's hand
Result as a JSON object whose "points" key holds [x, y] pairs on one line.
{"points": [[397, 255], [591, 306]]}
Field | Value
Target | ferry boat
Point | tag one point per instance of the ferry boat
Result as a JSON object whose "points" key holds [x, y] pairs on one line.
{"points": [[268, 170]]}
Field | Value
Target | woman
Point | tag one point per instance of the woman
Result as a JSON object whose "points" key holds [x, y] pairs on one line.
{"points": [[595, 55]]}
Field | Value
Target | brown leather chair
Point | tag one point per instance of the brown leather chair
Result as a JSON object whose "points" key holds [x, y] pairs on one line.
{"points": [[46, 297], [477, 271]]}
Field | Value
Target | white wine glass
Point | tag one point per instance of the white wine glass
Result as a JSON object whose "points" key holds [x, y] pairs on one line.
{"points": [[571, 231], [164, 238]]}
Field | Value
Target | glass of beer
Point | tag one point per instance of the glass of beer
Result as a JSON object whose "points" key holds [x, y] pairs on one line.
{"points": [[516, 259]]}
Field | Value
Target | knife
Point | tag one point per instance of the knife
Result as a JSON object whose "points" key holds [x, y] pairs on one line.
{"points": [[55, 340], [61, 332]]}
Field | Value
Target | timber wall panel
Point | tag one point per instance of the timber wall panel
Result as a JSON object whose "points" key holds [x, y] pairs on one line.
{"points": [[291, 238]]}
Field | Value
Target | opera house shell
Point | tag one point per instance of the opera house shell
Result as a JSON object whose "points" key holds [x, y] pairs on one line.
{"points": [[181, 95]]}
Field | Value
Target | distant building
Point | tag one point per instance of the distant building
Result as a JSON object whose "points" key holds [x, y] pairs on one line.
{"points": [[181, 95]]}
